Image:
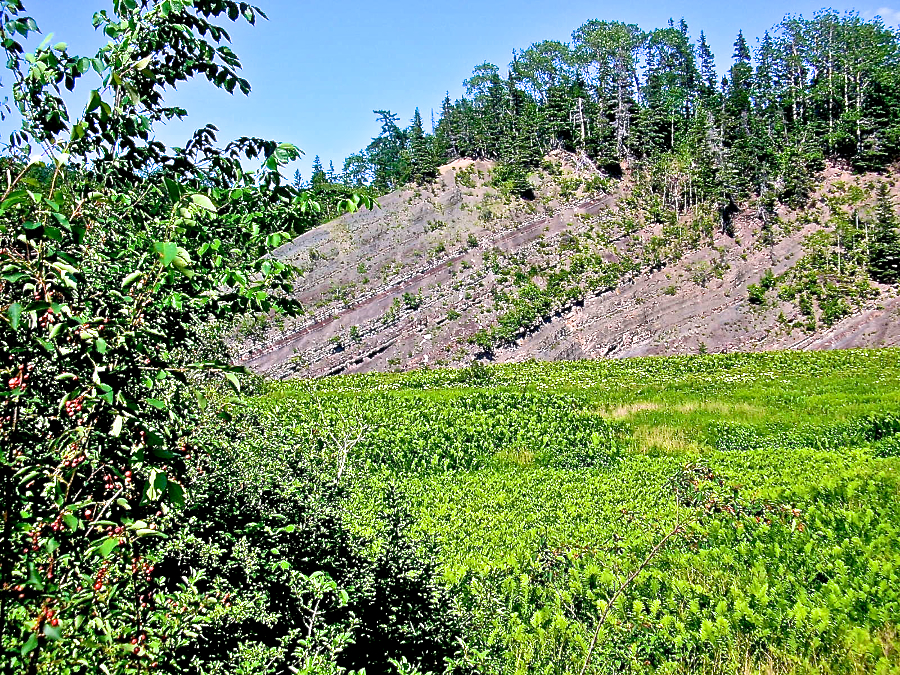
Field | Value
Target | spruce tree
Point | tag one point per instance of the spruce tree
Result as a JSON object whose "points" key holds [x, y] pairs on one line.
{"points": [[319, 178], [421, 162], [884, 249], [708, 87]]}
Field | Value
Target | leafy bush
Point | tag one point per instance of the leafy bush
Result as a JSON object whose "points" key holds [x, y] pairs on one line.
{"points": [[117, 257], [756, 294], [512, 178], [267, 524], [412, 300]]}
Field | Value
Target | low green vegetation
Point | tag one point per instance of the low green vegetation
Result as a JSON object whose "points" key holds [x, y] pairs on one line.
{"points": [[539, 488]]}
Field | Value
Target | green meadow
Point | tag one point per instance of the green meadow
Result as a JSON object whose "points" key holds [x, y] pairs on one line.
{"points": [[716, 513]]}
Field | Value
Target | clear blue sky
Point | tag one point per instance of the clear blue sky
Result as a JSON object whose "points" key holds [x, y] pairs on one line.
{"points": [[319, 69]]}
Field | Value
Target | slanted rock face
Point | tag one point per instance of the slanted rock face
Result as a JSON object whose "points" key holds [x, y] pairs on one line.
{"points": [[442, 274]]}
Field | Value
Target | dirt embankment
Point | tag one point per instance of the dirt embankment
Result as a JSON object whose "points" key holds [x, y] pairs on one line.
{"points": [[408, 284]]}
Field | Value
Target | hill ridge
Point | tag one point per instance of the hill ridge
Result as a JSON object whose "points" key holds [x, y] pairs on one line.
{"points": [[457, 257]]}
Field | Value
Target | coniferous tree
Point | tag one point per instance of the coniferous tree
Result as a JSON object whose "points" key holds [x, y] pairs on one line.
{"points": [[742, 173], [445, 142], [739, 94], [884, 249], [825, 87], [421, 161], [319, 177], [708, 78], [669, 91], [388, 154]]}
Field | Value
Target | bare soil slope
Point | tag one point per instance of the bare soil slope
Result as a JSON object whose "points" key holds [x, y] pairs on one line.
{"points": [[412, 282]]}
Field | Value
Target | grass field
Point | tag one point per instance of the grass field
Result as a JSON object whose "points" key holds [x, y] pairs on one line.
{"points": [[540, 488]]}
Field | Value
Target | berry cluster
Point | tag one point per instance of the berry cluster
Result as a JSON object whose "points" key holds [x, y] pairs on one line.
{"points": [[48, 319], [57, 524], [113, 482], [113, 531], [101, 577], [138, 642], [74, 406], [19, 380], [35, 536], [77, 457], [47, 615]]}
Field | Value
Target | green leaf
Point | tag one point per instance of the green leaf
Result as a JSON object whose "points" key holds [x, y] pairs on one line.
{"points": [[52, 233], [160, 481], [94, 102], [173, 189], [176, 494], [101, 345], [201, 399], [30, 644], [167, 250], [107, 546], [15, 312], [117, 426], [235, 384], [52, 633], [131, 278], [156, 403], [149, 533], [107, 394], [204, 202]]}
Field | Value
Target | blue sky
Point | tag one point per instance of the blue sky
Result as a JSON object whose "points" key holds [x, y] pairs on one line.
{"points": [[319, 69]]}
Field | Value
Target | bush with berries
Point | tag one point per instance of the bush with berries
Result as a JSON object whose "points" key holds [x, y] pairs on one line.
{"points": [[123, 264]]}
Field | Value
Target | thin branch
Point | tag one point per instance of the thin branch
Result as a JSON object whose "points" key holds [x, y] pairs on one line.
{"points": [[631, 577]]}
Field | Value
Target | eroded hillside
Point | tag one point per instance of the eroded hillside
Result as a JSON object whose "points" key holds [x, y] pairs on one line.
{"points": [[587, 266]]}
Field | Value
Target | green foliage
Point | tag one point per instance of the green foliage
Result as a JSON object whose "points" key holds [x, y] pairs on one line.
{"points": [[269, 526], [756, 294], [617, 92], [412, 300], [112, 275], [488, 519], [422, 434], [786, 551], [511, 179], [884, 251]]}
